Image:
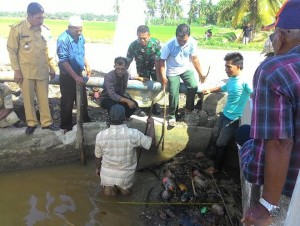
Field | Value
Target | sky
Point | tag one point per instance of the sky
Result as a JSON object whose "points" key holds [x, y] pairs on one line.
{"points": [[77, 6]]}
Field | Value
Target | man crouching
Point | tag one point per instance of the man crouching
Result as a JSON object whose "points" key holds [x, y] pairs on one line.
{"points": [[115, 152]]}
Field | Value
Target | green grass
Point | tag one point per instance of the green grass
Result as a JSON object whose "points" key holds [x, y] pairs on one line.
{"points": [[103, 32]]}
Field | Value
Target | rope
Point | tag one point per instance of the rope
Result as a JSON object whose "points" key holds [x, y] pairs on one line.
{"points": [[161, 203]]}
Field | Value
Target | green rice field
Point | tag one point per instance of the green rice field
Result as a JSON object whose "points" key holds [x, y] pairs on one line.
{"points": [[103, 32]]}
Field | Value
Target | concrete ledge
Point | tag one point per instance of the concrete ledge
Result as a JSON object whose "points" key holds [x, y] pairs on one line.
{"points": [[44, 147]]}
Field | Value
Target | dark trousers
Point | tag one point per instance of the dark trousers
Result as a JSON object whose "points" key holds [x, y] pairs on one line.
{"points": [[107, 103], [225, 133], [67, 100]]}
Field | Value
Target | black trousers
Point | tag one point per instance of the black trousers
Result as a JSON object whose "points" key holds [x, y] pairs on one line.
{"points": [[67, 100], [107, 103]]}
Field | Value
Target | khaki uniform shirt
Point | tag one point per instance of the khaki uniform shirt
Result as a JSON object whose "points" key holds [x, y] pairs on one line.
{"points": [[5, 97], [28, 50]]}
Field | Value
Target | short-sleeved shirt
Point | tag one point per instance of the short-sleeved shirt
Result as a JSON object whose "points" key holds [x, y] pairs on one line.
{"points": [[275, 115], [145, 56], [71, 51], [6, 101], [29, 52], [117, 147], [114, 87], [178, 58], [239, 92]]}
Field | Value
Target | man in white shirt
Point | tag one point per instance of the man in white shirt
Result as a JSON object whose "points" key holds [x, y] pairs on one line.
{"points": [[179, 54]]}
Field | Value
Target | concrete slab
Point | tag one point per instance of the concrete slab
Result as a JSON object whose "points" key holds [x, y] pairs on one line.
{"points": [[44, 147]]}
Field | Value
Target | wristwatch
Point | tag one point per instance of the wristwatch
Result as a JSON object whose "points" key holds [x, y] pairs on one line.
{"points": [[273, 210]]}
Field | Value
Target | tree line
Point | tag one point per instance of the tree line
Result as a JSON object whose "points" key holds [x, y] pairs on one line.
{"points": [[226, 13]]}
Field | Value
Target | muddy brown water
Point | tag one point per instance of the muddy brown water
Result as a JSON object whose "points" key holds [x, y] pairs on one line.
{"points": [[62, 195]]}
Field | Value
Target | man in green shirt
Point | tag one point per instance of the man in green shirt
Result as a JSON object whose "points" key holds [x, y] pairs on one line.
{"points": [[146, 52]]}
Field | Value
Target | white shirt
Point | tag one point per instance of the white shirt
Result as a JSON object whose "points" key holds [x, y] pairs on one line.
{"points": [[178, 58], [117, 147]]}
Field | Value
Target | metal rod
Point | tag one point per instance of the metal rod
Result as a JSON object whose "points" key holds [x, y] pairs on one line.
{"points": [[8, 76]]}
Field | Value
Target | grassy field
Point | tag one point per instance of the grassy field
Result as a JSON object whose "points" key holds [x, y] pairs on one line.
{"points": [[103, 32]]}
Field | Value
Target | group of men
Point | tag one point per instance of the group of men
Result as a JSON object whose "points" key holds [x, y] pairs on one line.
{"points": [[167, 65], [33, 62], [269, 152]]}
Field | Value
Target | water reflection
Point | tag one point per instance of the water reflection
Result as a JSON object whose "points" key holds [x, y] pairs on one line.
{"points": [[60, 196]]}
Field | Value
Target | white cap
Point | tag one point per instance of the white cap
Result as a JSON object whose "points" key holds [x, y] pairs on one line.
{"points": [[75, 21]]}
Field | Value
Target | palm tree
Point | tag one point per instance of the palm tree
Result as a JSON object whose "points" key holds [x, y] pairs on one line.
{"points": [[257, 12], [170, 9], [152, 7], [193, 11]]}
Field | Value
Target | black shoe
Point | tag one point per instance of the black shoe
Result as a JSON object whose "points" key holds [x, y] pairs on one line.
{"points": [[19, 124], [156, 110], [51, 127], [140, 113], [30, 130]]}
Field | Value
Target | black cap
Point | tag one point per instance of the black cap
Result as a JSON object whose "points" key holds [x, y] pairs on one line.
{"points": [[117, 114]]}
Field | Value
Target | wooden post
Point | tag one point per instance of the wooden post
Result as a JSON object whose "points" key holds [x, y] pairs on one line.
{"points": [[79, 118]]}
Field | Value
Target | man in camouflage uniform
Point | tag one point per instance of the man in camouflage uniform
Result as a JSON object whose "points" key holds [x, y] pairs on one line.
{"points": [[7, 116], [146, 52], [32, 64]]}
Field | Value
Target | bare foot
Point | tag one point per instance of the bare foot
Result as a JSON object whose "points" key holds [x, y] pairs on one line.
{"points": [[211, 170], [110, 191], [123, 191]]}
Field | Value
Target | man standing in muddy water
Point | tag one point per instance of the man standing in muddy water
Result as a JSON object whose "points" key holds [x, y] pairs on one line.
{"points": [[146, 52], [32, 62], [115, 152]]}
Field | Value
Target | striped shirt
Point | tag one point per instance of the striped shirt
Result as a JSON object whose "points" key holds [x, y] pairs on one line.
{"points": [[275, 115], [117, 147]]}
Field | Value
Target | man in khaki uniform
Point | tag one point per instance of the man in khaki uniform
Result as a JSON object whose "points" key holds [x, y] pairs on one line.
{"points": [[30, 59], [7, 116]]}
